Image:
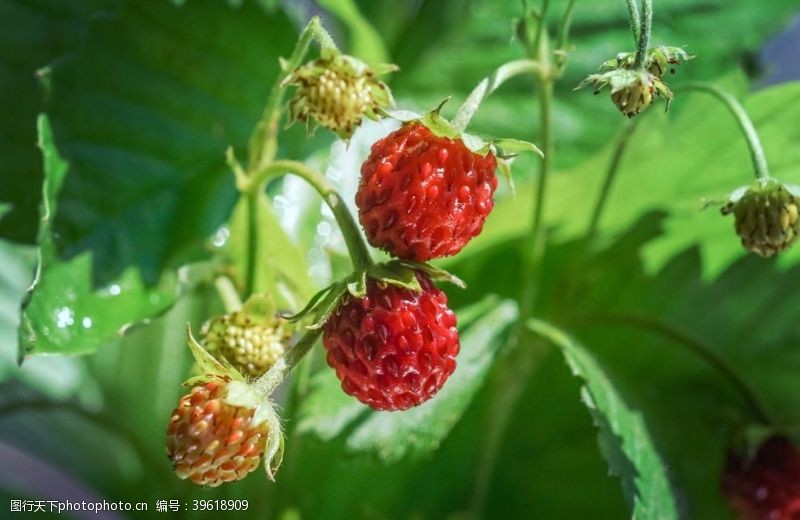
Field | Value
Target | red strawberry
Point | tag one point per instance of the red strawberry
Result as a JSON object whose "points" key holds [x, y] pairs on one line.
{"points": [[394, 348], [211, 441], [767, 487], [423, 196]]}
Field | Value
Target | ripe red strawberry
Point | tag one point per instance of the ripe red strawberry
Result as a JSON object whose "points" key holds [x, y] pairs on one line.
{"points": [[394, 348], [211, 441], [423, 196], [767, 487]]}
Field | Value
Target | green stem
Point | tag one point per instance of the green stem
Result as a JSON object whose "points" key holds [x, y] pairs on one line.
{"points": [[357, 248], [488, 85], [643, 42], [635, 19], [745, 124], [227, 293], [563, 32], [541, 30], [263, 142], [251, 201], [536, 244], [511, 373], [696, 347], [608, 181], [267, 383]]}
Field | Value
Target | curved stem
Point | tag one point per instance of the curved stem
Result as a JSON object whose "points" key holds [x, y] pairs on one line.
{"points": [[267, 383], [541, 30], [359, 254], [608, 181], [263, 142], [644, 34], [227, 293], [563, 33], [635, 19], [511, 373], [488, 85], [745, 123], [696, 347]]}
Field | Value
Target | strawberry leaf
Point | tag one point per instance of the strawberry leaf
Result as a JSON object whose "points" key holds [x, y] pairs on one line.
{"points": [[623, 436], [64, 312]]}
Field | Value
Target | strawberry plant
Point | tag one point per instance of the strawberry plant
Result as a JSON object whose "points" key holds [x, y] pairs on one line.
{"points": [[350, 259]]}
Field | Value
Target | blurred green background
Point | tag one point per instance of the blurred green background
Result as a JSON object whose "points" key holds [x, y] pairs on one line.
{"points": [[133, 105]]}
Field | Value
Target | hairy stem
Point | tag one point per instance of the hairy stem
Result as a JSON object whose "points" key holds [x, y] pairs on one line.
{"points": [[608, 181], [745, 124], [488, 85], [698, 349], [357, 248], [644, 34], [267, 383], [635, 19], [263, 143]]}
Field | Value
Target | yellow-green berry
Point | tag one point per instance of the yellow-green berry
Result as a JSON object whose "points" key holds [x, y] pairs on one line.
{"points": [[252, 347], [766, 218], [337, 92]]}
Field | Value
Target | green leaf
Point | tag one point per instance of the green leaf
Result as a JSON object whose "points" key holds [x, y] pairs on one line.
{"points": [[18, 265], [327, 412], [64, 312], [144, 128], [624, 439], [32, 34]]}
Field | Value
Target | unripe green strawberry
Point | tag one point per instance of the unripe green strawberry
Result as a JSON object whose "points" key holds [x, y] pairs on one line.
{"points": [[635, 96], [337, 92], [631, 90], [251, 346], [766, 217]]}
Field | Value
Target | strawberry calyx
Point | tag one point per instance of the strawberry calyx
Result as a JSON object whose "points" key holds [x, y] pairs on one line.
{"points": [[658, 60], [502, 148], [399, 273], [634, 89]]}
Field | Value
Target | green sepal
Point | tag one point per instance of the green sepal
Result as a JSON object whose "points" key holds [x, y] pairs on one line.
{"points": [[503, 148], [504, 165], [506, 148], [329, 304], [207, 364], [400, 273], [357, 284], [261, 308], [395, 273], [657, 60], [436, 274], [273, 451], [759, 185], [312, 304]]}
